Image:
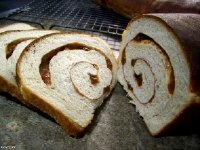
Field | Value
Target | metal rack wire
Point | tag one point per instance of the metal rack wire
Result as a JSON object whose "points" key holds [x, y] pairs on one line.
{"points": [[82, 15]]}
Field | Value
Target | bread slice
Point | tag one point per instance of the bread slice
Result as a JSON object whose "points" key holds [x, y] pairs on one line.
{"points": [[12, 27], [16, 26], [11, 45], [159, 67], [67, 76]]}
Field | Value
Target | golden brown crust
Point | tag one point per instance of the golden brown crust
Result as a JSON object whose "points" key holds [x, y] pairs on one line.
{"points": [[130, 8], [5, 86], [68, 125]]}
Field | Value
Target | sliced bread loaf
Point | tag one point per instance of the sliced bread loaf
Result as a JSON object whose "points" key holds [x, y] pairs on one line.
{"points": [[67, 76], [159, 68]]}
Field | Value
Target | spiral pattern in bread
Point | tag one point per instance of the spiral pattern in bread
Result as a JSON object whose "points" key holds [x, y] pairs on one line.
{"points": [[158, 66], [67, 76]]}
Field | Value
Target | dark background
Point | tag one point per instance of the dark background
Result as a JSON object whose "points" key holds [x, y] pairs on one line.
{"points": [[6, 5]]}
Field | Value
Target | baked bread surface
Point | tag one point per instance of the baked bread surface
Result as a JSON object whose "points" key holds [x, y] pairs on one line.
{"points": [[159, 67]]}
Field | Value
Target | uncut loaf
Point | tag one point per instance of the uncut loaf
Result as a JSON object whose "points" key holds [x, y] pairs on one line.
{"points": [[12, 44], [130, 8], [70, 76], [159, 67]]}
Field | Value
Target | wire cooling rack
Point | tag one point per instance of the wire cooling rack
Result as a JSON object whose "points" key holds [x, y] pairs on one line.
{"points": [[73, 15]]}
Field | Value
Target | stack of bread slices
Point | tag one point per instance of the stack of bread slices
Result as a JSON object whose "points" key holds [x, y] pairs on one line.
{"points": [[64, 75]]}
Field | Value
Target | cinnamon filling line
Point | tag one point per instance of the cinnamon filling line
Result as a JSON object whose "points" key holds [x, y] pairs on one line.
{"points": [[11, 46], [44, 66], [106, 90], [137, 77], [94, 78], [168, 66]]}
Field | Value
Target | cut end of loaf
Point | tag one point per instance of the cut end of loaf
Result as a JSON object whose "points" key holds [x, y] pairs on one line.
{"points": [[156, 70]]}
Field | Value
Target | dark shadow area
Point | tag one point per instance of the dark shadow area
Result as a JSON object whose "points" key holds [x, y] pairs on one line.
{"points": [[6, 5], [187, 123], [88, 130], [34, 109], [97, 112]]}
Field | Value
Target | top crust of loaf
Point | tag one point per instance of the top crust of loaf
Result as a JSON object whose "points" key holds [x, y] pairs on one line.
{"points": [[131, 8]]}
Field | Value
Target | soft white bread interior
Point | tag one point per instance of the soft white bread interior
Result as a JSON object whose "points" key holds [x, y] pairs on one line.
{"points": [[67, 76], [12, 44], [159, 67], [16, 26]]}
